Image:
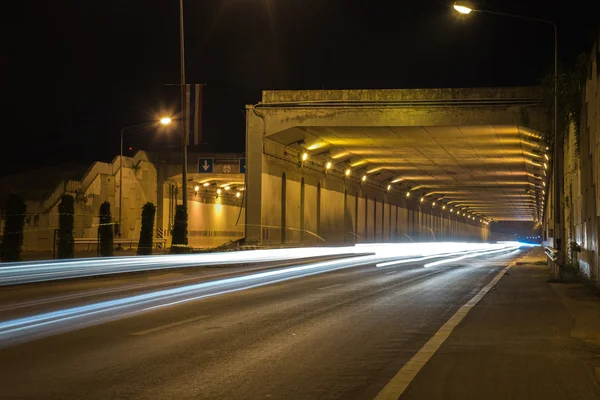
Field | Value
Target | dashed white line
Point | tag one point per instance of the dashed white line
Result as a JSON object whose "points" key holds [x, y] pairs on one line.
{"points": [[329, 287], [172, 325]]}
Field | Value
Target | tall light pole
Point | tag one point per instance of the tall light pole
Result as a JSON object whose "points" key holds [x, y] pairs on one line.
{"points": [[163, 121], [185, 124], [465, 9]]}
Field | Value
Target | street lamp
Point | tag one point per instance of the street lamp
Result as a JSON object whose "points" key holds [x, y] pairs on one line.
{"points": [[163, 121], [465, 9]]}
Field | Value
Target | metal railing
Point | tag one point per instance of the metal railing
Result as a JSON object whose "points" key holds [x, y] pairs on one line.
{"points": [[552, 253]]}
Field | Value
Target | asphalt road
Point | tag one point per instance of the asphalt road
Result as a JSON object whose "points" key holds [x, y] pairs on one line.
{"points": [[336, 335]]}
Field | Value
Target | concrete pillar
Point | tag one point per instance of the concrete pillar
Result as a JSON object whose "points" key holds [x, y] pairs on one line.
{"points": [[254, 166]]}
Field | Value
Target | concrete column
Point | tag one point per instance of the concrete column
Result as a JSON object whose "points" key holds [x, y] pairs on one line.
{"points": [[254, 165]]}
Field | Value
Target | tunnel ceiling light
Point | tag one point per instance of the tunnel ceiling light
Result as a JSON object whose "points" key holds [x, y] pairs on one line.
{"points": [[218, 191], [443, 207], [196, 188], [407, 194], [543, 183], [433, 204], [328, 165], [347, 172], [397, 180], [238, 194], [546, 156], [545, 166], [422, 199], [206, 184], [226, 187], [547, 148], [389, 187], [364, 178], [304, 156]]}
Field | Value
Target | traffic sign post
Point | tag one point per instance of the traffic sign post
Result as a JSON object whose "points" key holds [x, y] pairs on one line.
{"points": [[206, 165]]}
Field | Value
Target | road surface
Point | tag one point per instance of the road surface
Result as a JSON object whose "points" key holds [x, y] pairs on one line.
{"points": [[336, 335]]}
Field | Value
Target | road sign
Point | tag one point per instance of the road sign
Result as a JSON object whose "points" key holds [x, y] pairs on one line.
{"points": [[226, 169], [242, 165], [205, 165]]}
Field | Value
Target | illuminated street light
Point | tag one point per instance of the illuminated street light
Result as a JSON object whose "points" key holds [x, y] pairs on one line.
{"points": [[304, 156], [196, 188], [462, 9], [165, 121], [206, 184], [218, 191], [328, 165], [347, 172], [238, 194], [226, 188], [364, 178]]}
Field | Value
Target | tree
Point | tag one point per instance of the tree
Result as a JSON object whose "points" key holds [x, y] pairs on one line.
{"points": [[179, 230], [145, 243], [66, 218], [105, 231], [12, 240]]}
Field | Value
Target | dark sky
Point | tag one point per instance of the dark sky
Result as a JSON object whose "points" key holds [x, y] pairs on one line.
{"points": [[76, 72]]}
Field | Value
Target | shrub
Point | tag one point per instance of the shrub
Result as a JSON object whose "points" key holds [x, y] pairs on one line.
{"points": [[12, 239], [145, 243], [105, 232], [179, 243]]}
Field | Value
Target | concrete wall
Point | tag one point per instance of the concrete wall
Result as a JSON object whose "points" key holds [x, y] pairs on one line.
{"points": [[332, 210], [100, 183], [581, 177]]}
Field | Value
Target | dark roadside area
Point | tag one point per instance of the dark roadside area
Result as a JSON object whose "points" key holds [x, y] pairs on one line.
{"points": [[526, 339]]}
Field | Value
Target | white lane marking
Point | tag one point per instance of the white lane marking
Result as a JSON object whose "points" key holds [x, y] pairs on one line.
{"points": [[329, 287], [392, 272], [407, 373], [172, 325]]}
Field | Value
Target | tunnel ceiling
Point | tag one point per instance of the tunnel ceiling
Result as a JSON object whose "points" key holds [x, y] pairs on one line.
{"points": [[497, 172]]}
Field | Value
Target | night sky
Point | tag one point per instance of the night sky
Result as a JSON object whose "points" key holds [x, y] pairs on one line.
{"points": [[76, 72]]}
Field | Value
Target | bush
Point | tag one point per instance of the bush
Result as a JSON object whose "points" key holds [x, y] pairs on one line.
{"points": [[12, 239], [105, 232], [179, 243], [66, 219], [145, 243]]}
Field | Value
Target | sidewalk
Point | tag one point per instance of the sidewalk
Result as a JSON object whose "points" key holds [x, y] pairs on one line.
{"points": [[526, 339]]}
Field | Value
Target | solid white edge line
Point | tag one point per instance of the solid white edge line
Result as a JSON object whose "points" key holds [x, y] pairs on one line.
{"points": [[399, 383]]}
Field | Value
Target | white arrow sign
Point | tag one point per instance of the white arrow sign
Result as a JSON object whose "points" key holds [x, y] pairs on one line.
{"points": [[205, 166]]}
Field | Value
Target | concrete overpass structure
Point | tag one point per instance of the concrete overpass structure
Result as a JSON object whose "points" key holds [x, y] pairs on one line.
{"points": [[336, 166]]}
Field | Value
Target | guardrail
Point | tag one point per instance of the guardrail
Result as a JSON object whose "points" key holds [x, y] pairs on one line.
{"points": [[551, 252]]}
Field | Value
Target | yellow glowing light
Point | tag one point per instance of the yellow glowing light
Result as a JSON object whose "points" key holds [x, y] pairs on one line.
{"points": [[226, 187], [452, 210], [433, 204], [443, 207], [407, 194], [347, 172], [304, 156], [546, 156], [462, 9], [340, 155], [357, 163], [389, 187], [364, 178], [205, 184], [547, 148], [373, 170], [422, 199], [165, 121], [238, 194], [328, 165], [543, 183], [545, 166], [196, 188], [316, 146], [218, 191], [397, 180]]}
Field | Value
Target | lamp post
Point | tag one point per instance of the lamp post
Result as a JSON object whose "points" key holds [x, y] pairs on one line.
{"points": [[465, 9], [185, 124], [163, 121]]}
